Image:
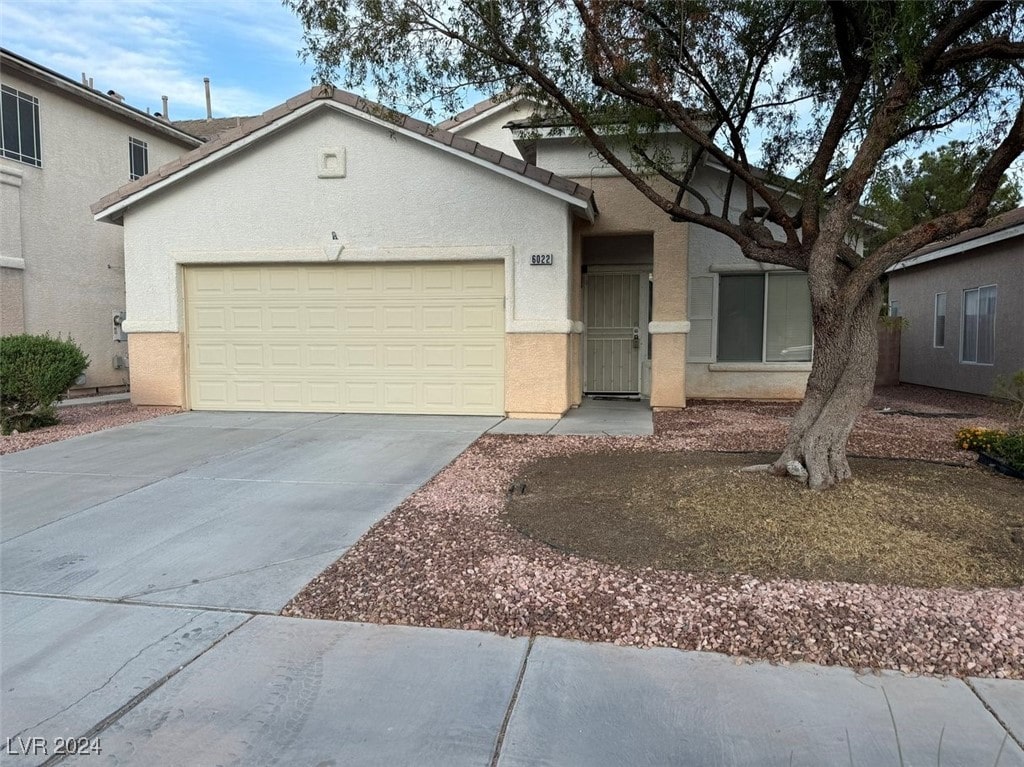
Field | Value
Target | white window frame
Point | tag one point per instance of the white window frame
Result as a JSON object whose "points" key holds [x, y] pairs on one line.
{"points": [[935, 321], [24, 101], [963, 326], [133, 173]]}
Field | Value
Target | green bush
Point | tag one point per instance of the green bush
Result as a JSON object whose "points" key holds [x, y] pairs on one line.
{"points": [[1011, 388], [35, 371], [1010, 447]]}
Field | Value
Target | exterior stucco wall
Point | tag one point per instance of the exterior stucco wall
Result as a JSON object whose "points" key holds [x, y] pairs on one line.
{"points": [[914, 289], [623, 210], [709, 254], [489, 129], [158, 368], [73, 278], [12, 303], [537, 377], [400, 200]]}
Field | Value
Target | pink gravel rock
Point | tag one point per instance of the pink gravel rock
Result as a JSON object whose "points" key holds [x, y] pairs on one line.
{"points": [[445, 558], [82, 419]]}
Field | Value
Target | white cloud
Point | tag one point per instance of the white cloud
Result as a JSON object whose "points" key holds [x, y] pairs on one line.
{"points": [[145, 49]]}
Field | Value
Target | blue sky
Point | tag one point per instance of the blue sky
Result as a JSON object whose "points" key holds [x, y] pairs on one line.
{"points": [[145, 49]]}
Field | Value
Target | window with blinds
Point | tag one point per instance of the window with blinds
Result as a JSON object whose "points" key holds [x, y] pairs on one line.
{"points": [[764, 318], [978, 344]]}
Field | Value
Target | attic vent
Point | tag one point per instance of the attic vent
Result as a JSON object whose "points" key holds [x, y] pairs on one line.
{"points": [[331, 163]]}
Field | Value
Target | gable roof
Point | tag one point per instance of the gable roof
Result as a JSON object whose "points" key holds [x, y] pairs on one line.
{"points": [[112, 206], [12, 62], [481, 109], [1002, 227]]}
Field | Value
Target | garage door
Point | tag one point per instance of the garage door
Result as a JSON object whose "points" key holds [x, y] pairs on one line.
{"points": [[392, 338]]}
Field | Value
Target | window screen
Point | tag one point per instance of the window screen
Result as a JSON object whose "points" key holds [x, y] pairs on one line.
{"points": [[940, 320], [19, 117], [138, 156], [740, 317], [788, 329]]}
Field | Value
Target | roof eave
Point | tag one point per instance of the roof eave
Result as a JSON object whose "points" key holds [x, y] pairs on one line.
{"points": [[174, 172], [961, 247], [23, 66]]}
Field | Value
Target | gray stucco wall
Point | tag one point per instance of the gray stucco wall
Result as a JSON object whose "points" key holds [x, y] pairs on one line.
{"points": [[72, 277], [914, 289]]}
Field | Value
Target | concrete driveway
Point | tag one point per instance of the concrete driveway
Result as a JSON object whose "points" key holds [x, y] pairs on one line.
{"points": [[138, 564], [225, 510]]}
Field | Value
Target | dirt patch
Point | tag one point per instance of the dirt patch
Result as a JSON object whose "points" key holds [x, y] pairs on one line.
{"points": [[904, 523], [82, 419]]}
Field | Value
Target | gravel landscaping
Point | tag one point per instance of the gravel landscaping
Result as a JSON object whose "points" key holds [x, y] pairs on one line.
{"points": [[447, 557], [82, 419]]}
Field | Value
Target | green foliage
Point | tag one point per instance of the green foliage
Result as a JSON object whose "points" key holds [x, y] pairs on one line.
{"points": [[893, 322], [1006, 445], [1010, 447], [978, 439], [938, 182], [1011, 388], [35, 371]]}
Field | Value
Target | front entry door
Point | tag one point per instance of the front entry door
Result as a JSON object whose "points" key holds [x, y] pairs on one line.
{"points": [[616, 313]]}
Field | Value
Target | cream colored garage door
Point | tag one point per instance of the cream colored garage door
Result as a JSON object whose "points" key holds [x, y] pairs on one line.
{"points": [[391, 338]]}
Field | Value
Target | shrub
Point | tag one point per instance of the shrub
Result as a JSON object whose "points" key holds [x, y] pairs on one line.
{"points": [[1011, 388], [978, 439], [1010, 447], [35, 371]]}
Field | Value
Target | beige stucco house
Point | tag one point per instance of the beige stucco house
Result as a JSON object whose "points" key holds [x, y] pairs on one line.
{"points": [[333, 255], [63, 145]]}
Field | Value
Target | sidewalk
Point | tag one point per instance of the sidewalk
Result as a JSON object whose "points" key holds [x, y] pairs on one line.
{"points": [[292, 691]]}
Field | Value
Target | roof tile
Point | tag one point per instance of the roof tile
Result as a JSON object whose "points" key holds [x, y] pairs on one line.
{"points": [[538, 174], [487, 153]]}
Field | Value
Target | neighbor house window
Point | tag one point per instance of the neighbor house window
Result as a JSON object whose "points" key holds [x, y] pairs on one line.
{"points": [[138, 156], [19, 115], [939, 336], [764, 318], [979, 327]]}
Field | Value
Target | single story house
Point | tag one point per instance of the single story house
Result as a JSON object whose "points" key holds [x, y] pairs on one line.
{"points": [[963, 299], [333, 255]]}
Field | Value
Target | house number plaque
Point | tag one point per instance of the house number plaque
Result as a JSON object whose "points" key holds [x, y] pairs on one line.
{"points": [[542, 259]]}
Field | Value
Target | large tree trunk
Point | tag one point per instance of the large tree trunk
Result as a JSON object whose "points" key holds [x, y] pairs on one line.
{"points": [[840, 385]]}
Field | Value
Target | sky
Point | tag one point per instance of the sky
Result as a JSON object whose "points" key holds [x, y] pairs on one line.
{"points": [[145, 49]]}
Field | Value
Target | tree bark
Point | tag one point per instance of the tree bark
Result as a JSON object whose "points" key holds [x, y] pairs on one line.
{"points": [[840, 385]]}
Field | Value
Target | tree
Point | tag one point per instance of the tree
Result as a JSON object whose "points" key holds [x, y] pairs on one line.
{"points": [[831, 92], [936, 183]]}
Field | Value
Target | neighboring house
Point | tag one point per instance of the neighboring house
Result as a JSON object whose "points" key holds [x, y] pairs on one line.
{"points": [[63, 145], [963, 300], [333, 255]]}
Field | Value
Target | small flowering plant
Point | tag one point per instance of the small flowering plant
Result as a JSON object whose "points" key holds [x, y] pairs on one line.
{"points": [[979, 440]]}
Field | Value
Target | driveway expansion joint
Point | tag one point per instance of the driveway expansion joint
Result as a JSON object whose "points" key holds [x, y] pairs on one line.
{"points": [[112, 717], [1002, 723], [127, 602], [500, 740]]}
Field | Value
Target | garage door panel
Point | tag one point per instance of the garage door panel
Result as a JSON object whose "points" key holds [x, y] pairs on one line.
{"points": [[244, 281], [404, 338]]}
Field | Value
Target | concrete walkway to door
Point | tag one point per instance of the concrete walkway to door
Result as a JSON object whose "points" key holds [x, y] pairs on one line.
{"points": [[594, 417], [141, 568]]}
